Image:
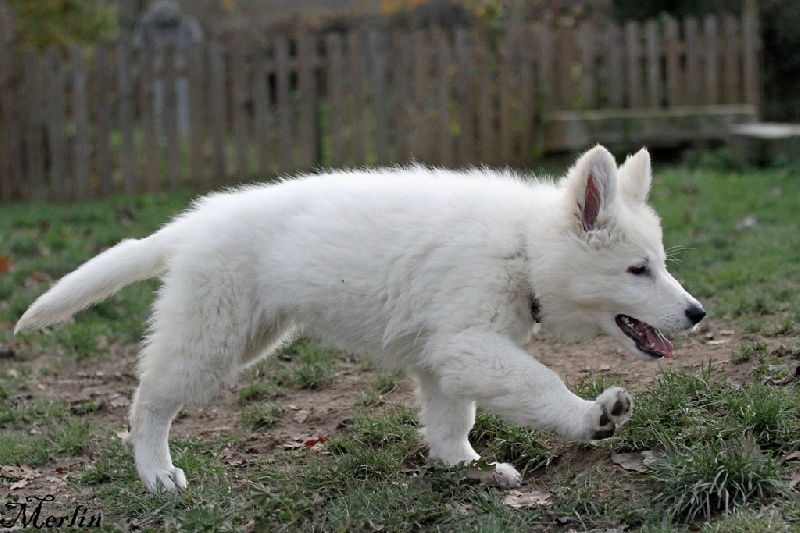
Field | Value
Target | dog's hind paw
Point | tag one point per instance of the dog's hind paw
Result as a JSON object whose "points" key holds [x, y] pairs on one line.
{"points": [[127, 442], [610, 410], [168, 480], [502, 475], [512, 477]]}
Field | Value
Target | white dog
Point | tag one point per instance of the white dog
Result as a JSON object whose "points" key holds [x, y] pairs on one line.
{"points": [[441, 273]]}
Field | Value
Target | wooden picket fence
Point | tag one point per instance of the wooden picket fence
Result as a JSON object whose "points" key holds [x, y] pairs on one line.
{"points": [[111, 118]]}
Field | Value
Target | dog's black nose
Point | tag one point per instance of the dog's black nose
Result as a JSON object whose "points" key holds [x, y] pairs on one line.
{"points": [[695, 313]]}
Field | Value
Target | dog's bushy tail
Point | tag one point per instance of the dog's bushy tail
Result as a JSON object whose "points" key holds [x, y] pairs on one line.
{"points": [[129, 261]]}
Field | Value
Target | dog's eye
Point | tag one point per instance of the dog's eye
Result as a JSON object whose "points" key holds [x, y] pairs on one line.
{"points": [[638, 270]]}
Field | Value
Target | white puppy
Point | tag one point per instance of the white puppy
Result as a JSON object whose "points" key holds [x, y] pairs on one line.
{"points": [[440, 273]]}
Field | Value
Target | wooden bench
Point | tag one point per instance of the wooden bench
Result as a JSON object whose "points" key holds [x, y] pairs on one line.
{"points": [[765, 143], [634, 128]]}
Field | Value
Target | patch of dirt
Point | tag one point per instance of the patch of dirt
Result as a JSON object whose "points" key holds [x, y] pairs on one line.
{"points": [[100, 388]]}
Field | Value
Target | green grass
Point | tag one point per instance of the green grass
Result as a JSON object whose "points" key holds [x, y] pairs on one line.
{"points": [[715, 477], [262, 415], [747, 272], [721, 441]]}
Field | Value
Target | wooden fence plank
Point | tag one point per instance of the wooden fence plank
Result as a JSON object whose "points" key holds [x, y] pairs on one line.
{"points": [[217, 116], [102, 106], [634, 75], [676, 94], [692, 46], [168, 115], [526, 95], [712, 59], [333, 47], [355, 51], [307, 84], [403, 104], [262, 117], [55, 104], [588, 78], [465, 98], [546, 57], [196, 76], [616, 72], [150, 151], [654, 86], [505, 89], [751, 48], [445, 151], [378, 47], [125, 94], [6, 44], [11, 177], [421, 142], [731, 65], [239, 108], [486, 113], [81, 148], [565, 65], [283, 103], [34, 151]]}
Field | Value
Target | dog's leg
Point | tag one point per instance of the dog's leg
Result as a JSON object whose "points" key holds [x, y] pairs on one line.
{"points": [[446, 423], [185, 366], [499, 375], [154, 406]]}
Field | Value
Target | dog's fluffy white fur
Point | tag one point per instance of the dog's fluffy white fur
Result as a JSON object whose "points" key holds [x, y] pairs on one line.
{"points": [[436, 272]]}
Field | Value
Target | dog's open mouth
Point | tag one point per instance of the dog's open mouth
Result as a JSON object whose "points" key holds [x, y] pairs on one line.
{"points": [[647, 338]]}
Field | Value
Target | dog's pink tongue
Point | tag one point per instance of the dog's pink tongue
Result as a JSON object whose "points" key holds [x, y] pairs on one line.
{"points": [[660, 343]]}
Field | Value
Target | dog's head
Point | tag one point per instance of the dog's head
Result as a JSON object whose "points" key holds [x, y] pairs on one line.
{"points": [[608, 269]]}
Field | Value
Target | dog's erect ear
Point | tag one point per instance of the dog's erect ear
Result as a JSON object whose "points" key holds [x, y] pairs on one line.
{"points": [[635, 176], [594, 182]]}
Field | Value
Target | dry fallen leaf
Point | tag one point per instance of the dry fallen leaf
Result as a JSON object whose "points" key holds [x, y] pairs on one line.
{"points": [[795, 480], [635, 461], [22, 483], [17, 472], [794, 456], [313, 441], [522, 500], [463, 508], [303, 442], [788, 379], [118, 400], [301, 416], [56, 482]]}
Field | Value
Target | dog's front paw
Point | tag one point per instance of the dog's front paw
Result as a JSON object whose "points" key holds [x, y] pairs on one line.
{"points": [[168, 480], [610, 410]]}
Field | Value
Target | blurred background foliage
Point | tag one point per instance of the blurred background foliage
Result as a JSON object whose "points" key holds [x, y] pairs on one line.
{"points": [[41, 23]]}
